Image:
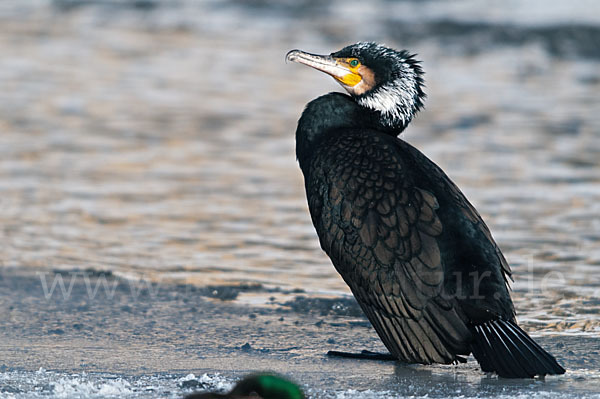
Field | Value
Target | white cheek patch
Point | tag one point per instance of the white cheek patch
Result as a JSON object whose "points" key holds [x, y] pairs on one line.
{"points": [[395, 100]]}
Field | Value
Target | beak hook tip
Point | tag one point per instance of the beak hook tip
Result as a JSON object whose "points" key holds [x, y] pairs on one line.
{"points": [[291, 55]]}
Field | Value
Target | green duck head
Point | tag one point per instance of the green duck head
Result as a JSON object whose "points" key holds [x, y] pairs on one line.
{"points": [[266, 386]]}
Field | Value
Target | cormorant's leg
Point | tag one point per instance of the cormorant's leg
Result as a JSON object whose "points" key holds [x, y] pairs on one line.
{"points": [[363, 355]]}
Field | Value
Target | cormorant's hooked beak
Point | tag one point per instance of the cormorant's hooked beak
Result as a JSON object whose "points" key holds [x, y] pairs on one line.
{"points": [[326, 63]]}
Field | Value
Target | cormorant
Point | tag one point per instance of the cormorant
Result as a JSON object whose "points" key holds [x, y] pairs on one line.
{"points": [[415, 253], [266, 386]]}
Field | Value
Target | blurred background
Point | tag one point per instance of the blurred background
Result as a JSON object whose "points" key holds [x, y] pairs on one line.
{"points": [[155, 139]]}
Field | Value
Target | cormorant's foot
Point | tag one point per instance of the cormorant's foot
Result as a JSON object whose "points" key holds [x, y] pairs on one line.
{"points": [[459, 359], [363, 355]]}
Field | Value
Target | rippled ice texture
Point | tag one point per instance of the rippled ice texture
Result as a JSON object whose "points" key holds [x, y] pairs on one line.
{"points": [[43, 383]]}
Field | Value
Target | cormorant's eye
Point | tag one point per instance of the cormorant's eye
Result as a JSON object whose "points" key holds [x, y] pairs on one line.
{"points": [[354, 63]]}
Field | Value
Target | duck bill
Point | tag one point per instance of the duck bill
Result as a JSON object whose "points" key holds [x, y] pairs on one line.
{"points": [[323, 63]]}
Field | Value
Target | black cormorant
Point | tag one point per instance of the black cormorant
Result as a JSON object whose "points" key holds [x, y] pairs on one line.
{"points": [[416, 254]]}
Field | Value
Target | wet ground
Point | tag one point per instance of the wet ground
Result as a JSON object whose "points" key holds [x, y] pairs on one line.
{"points": [[154, 140], [106, 337]]}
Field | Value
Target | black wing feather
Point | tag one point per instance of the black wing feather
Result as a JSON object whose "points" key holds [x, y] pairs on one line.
{"points": [[387, 250]]}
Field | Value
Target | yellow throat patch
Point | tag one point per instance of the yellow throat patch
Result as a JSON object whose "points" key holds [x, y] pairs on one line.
{"points": [[353, 78]]}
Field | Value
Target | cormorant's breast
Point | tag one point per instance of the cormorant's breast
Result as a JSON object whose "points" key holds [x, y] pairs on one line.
{"points": [[328, 114]]}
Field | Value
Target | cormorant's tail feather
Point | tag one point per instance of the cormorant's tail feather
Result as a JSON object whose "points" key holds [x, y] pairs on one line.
{"points": [[502, 346]]}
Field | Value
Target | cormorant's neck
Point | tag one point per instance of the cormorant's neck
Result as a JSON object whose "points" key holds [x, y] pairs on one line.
{"points": [[394, 102], [335, 112]]}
